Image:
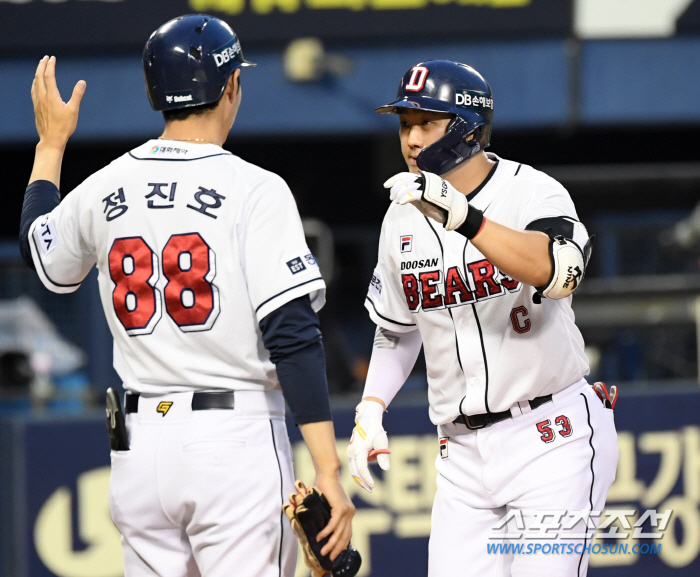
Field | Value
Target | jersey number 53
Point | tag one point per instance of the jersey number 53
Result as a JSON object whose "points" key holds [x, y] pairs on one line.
{"points": [[191, 297], [545, 428]]}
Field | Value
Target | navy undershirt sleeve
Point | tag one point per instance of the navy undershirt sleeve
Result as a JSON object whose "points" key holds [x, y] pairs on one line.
{"points": [[40, 198], [292, 334]]}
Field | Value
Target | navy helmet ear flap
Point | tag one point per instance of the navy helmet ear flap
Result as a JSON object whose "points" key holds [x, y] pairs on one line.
{"points": [[453, 149]]}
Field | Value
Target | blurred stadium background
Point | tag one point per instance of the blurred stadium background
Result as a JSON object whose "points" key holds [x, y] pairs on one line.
{"points": [[603, 95]]}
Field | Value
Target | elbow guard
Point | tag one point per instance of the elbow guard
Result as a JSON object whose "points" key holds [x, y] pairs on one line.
{"points": [[568, 268]]}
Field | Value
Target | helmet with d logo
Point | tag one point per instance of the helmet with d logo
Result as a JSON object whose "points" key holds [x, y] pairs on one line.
{"points": [[451, 88]]}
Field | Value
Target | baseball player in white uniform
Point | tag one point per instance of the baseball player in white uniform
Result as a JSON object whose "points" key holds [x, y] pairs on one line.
{"points": [[478, 259], [210, 293]]}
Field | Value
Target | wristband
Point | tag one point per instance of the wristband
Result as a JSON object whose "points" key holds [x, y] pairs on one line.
{"points": [[473, 223]]}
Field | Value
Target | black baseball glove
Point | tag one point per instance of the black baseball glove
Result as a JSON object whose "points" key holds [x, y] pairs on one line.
{"points": [[309, 513]]}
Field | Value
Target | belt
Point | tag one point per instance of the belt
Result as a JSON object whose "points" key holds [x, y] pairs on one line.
{"points": [[488, 419], [200, 401]]}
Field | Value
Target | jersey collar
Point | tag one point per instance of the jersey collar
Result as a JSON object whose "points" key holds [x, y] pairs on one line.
{"points": [[482, 197], [176, 150], [478, 189]]}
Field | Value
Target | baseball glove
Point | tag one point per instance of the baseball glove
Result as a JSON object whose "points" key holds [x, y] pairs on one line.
{"points": [[309, 513]]}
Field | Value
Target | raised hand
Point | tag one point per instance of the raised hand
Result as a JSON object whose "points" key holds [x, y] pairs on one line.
{"points": [[55, 120]]}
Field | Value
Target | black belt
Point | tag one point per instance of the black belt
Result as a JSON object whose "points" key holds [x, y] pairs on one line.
{"points": [[200, 401], [488, 419]]}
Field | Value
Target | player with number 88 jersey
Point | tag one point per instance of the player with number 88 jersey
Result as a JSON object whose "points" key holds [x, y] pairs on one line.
{"points": [[210, 293]]}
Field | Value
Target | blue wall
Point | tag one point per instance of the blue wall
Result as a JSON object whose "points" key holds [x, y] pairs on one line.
{"points": [[639, 82]]}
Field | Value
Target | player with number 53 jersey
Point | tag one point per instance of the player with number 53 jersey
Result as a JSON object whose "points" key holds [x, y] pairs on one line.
{"points": [[211, 293], [478, 259]]}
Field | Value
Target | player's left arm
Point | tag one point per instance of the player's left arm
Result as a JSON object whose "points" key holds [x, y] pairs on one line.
{"points": [[521, 254], [545, 255], [286, 289], [292, 335]]}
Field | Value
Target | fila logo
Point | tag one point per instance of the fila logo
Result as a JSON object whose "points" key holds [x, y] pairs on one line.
{"points": [[164, 407], [443, 448], [407, 243], [419, 75]]}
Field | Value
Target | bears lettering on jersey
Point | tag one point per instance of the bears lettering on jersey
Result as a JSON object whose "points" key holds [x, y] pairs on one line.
{"points": [[482, 272], [430, 291], [456, 291]]}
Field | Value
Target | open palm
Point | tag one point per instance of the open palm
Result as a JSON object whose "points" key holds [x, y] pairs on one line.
{"points": [[55, 120]]}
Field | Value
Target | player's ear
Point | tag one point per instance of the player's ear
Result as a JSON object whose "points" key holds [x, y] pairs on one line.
{"points": [[233, 86]]}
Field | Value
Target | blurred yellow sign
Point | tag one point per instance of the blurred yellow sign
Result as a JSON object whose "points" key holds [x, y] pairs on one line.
{"points": [[266, 6], [401, 504], [53, 530]]}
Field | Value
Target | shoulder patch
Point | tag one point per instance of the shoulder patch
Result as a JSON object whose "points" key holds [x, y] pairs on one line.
{"points": [[310, 260], [296, 265], [46, 234], [302, 262], [375, 285]]}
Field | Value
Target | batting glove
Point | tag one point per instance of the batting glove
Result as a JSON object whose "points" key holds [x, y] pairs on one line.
{"points": [[430, 188], [368, 443]]}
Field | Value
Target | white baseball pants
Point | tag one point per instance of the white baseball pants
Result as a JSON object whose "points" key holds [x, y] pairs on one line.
{"points": [[200, 493], [567, 464]]}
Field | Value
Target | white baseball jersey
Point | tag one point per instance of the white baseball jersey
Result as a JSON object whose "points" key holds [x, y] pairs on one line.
{"points": [[194, 246], [487, 345]]}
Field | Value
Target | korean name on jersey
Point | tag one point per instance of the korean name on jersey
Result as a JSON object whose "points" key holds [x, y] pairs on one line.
{"points": [[194, 246], [487, 345]]}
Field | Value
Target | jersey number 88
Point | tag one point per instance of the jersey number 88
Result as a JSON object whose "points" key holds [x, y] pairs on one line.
{"points": [[191, 297]]}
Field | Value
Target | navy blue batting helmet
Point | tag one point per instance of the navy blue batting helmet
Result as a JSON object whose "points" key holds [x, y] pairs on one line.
{"points": [[452, 88], [188, 61]]}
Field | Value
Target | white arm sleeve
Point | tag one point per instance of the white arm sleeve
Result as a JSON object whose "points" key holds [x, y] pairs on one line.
{"points": [[393, 357]]}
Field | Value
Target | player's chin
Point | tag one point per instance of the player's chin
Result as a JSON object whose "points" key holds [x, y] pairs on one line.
{"points": [[412, 165]]}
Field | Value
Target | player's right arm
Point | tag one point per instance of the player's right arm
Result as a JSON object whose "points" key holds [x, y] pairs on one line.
{"points": [[50, 238], [55, 121], [393, 357], [397, 343]]}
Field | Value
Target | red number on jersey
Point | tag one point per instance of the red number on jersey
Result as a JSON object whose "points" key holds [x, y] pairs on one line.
{"points": [[544, 427], [190, 297], [563, 422], [133, 267]]}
